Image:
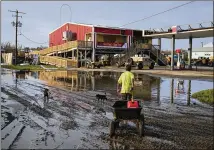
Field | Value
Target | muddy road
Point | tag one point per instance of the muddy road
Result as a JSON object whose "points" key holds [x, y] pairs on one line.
{"points": [[74, 119]]}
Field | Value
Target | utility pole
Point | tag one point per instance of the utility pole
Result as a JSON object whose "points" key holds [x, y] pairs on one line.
{"points": [[16, 24]]}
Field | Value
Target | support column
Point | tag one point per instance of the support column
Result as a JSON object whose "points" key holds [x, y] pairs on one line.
{"points": [[80, 82], [77, 83], [73, 54], [72, 85], [85, 58], [159, 50], [172, 52], [77, 58], [172, 91], [94, 43], [81, 58], [190, 53], [85, 82]]}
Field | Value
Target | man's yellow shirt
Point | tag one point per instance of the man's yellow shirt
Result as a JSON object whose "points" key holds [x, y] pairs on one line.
{"points": [[126, 81]]}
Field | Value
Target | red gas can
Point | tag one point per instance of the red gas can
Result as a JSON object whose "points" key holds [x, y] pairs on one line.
{"points": [[132, 104]]}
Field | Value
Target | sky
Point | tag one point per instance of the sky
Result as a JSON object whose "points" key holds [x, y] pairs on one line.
{"points": [[43, 17]]}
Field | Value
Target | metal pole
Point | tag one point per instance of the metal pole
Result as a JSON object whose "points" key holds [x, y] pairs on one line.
{"points": [[16, 26], [16, 52], [172, 52], [190, 53]]}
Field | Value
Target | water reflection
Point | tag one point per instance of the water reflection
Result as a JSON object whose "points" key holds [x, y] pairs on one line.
{"points": [[189, 93], [172, 91], [97, 81], [148, 88], [179, 90], [19, 75]]}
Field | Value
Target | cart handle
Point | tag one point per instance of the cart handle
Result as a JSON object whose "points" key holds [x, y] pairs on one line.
{"points": [[132, 96]]}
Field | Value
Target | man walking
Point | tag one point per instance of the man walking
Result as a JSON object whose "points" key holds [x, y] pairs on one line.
{"points": [[126, 83]]}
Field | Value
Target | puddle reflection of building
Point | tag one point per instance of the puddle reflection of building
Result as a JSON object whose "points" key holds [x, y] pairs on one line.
{"points": [[178, 88], [19, 75], [145, 85], [75, 81], [172, 91], [158, 89]]}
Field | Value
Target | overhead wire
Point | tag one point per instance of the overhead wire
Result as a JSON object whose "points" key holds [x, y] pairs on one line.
{"points": [[32, 40], [155, 14], [158, 13], [129, 22]]}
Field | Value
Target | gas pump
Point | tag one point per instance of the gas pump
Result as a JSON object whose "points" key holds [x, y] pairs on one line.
{"points": [[180, 62], [178, 51]]}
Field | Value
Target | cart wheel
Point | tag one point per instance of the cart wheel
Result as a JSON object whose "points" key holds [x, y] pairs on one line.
{"points": [[112, 128], [141, 126], [87, 66], [116, 125], [92, 66], [117, 64], [140, 66]]}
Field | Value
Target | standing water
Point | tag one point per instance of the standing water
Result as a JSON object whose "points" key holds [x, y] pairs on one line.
{"points": [[73, 118]]}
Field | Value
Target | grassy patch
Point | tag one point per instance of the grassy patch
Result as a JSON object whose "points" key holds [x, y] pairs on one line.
{"points": [[49, 66], [29, 67], [18, 67], [205, 96]]}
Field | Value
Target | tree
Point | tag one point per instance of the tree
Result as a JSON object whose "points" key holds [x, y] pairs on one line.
{"points": [[9, 47], [27, 49]]}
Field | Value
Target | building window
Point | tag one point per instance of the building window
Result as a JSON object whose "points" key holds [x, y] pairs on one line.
{"points": [[109, 39]]}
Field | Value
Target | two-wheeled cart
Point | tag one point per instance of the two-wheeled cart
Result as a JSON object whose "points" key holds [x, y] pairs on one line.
{"points": [[121, 113]]}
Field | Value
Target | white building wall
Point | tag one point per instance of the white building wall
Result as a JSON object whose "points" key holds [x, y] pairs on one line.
{"points": [[195, 55]]}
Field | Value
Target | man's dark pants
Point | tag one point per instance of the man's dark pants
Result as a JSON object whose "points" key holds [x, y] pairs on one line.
{"points": [[126, 96]]}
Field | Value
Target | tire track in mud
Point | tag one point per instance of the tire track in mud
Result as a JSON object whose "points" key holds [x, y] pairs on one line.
{"points": [[168, 129], [25, 101]]}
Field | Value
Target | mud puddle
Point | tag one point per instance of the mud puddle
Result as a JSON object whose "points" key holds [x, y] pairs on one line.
{"points": [[74, 119]]}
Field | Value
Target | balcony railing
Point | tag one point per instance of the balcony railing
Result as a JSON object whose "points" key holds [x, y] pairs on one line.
{"points": [[64, 47], [85, 44]]}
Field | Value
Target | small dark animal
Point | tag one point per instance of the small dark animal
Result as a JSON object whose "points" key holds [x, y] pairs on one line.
{"points": [[46, 95], [101, 97]]}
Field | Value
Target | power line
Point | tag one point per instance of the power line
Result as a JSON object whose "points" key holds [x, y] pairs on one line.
{"points": [[158, 13], [32, 40], [154, 14]]}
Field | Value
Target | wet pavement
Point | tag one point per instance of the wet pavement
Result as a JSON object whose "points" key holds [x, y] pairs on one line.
{"points": [[74, 119]]}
